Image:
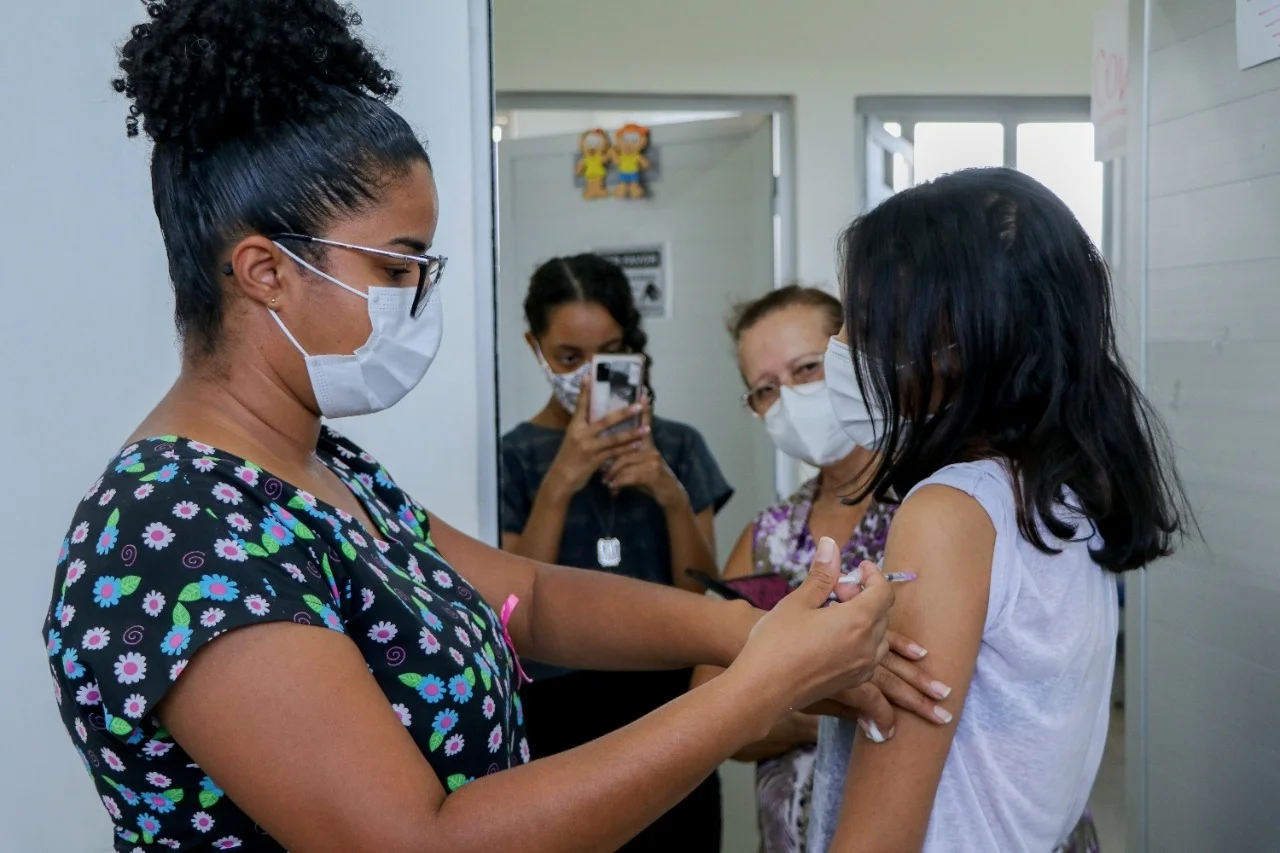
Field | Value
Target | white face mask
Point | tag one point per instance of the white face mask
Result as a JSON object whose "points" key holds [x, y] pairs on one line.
{"points": [[388, 366], [803, 425], [565, 387], [852, 413]]}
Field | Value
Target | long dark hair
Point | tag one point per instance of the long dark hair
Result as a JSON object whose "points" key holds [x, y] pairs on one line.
{"points": [[587, 278], [267, 116], [978, 309]]}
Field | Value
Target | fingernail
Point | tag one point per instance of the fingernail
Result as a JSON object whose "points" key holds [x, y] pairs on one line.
{"points": [[937, 688], [826, 549], [637, 409], [635, 445], [942, 713], [645, 430], [915, 651], [872, 732]]}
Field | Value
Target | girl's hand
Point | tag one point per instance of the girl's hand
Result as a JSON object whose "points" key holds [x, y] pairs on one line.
{"points": [[804, 652], [584, 450], [641, 466]]}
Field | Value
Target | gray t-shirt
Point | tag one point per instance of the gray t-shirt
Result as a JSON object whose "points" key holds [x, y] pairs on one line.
{"points": [[633, 517], [1029, 741]]}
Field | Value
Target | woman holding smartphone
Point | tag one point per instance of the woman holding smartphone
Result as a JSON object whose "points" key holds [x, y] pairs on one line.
{"points": [[639, 503]]}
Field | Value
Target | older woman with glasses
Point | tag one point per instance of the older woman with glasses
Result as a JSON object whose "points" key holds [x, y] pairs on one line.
{"points": [[781, 339]]}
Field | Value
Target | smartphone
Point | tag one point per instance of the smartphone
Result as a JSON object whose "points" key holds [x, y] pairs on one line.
{"points": [[716, 585], [617, 382]]}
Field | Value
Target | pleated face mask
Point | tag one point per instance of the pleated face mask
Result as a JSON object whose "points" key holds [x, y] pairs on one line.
{"points": [[865, 426], [388, 365], [803, 425]]}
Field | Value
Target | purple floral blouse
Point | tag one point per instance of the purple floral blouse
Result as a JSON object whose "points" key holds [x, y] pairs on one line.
{"points": [[782, 542]]}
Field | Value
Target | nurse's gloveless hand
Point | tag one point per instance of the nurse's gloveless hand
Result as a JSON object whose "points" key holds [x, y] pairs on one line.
{"points": [[802, 652]]}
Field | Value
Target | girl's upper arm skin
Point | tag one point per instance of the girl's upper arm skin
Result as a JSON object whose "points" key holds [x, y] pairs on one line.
{"points": [[947, 539]]}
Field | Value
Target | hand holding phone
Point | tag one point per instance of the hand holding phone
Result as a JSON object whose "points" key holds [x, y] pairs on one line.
{"points": [[587, 446], [617, 383]]}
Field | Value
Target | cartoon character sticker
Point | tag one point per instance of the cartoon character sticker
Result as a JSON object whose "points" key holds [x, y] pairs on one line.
{"points": [[593, 165], [628, 156]]}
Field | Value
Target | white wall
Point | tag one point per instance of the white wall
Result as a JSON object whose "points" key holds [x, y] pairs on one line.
{"points": [[526, 124], [823, 53], [86, 340], [1212, 353]]}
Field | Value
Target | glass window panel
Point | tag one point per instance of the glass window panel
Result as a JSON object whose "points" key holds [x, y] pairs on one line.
{"points": [[1060, 156], [901, 173], [942, 147]]}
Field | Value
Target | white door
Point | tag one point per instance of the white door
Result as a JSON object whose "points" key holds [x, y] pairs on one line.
{"points": [[890, 163], [711, 213]]}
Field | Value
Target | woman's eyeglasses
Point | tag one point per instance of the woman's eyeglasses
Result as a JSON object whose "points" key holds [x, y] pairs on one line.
{"points": [[430, 267], [802, 371]]}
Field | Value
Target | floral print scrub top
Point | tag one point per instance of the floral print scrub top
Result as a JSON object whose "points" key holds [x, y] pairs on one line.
{"points": [[178, 543]]}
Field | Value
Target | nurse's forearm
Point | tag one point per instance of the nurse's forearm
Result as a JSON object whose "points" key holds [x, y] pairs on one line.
{"points": [[793, 730], [593, 620], [596, 797]]}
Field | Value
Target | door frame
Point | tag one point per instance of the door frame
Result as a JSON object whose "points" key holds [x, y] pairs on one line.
{"points": [[780, 110], [484, 182]]}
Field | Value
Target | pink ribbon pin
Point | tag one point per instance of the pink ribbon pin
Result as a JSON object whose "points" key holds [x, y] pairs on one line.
{"points": [[507, 609]]}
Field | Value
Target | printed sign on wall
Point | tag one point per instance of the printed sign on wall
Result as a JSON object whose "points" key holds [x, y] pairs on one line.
{"points": [[1109, 100], [1257, 32], [646, 269]]}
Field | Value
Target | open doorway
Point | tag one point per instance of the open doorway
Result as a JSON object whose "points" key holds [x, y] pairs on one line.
{"points": [[713, 228], [910, 140]]}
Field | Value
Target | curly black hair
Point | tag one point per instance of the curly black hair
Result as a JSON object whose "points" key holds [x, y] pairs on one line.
{"points": [[587, 278], [267, 116]]}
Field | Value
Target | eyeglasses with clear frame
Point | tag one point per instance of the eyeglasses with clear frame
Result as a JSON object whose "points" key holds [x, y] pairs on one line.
{"points": [[430, 267], [801, 371]]}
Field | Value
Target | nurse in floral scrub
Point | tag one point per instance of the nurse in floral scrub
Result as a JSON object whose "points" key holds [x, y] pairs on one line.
{"points": [[258, 640]]}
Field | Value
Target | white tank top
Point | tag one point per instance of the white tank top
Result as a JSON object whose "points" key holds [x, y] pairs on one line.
{"points": [[1029, 742]]}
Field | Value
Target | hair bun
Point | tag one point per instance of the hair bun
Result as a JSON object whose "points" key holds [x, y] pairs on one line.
{"points": [[203, 71]]}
